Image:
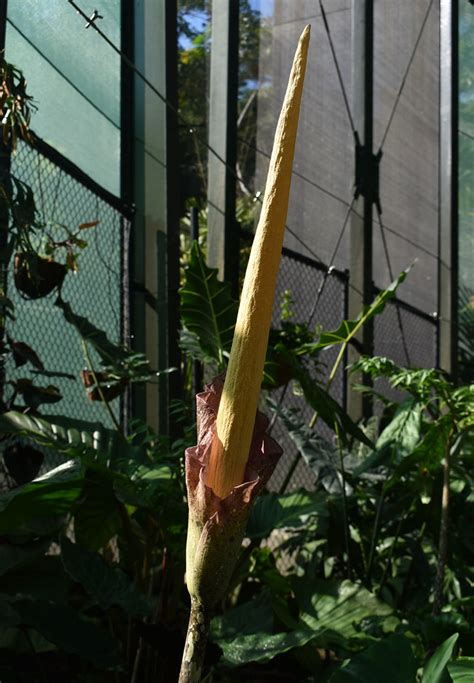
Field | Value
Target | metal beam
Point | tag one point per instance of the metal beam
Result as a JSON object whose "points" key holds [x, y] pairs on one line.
{"points": [[155, 242], [360, 291], [223, 235], [448, 190]]}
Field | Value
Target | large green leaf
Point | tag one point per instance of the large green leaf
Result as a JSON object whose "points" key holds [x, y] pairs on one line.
{"points": [[333, 609], [390, 661], [106, 585], [247, 618], [70, 439], [262, 647], [207, 308], [98, 516], [65, 628], [462, 670], [110, 353], [329, 410], [399, 438], [15, 555], [436, 670], [322, 457], [245, 633], [52, 494], [273, 511]]}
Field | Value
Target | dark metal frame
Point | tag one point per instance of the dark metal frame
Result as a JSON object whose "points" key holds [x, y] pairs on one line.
{"points": [[448, 181], [223, 231]]}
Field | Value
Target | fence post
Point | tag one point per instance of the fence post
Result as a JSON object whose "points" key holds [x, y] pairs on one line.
{"points": [[155, 239], [223, 235], [360, 290], [448, 190]]}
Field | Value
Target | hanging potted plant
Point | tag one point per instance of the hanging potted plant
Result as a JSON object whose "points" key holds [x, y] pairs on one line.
{"points": [[38, 275]]}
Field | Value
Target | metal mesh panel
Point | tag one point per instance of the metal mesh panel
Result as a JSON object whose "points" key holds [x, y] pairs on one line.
{"points": [[95, 291], [304, 278], [421, 333]]}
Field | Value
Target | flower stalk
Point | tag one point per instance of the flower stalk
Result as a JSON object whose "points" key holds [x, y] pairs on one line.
{"points": [[235, 457], [238, 405]]}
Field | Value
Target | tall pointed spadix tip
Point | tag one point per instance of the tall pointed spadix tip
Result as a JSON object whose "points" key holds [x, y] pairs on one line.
{"points": [[238, 406]]}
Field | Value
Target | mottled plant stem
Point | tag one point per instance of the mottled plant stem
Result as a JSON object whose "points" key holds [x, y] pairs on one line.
{"points": [[195, 645], [443, 536]]}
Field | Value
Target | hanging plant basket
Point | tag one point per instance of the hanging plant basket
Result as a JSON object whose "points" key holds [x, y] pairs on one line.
{"points": [[35, 276], [111, 388]]}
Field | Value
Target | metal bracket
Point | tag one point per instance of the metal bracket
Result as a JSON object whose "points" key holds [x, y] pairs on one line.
{"points": [[367, 174]]}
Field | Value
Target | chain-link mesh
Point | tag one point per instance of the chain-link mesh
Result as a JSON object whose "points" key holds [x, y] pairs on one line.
{"points": [[417, 349], [94, 291], [304, 278]]}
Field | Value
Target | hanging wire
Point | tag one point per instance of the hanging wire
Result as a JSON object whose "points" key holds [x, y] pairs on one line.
{"points": [[397, 303], [297, 174], [329, 270], [319, 293], [466, 134], [338, 69], [63, 75], [183, 122], [405, 75]]}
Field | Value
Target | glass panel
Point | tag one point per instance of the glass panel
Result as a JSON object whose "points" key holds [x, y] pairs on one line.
{"points": [[75, 78]]}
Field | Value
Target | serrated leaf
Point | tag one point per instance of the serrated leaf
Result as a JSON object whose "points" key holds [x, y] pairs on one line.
{"points": [[399, 438], [207, 308]]}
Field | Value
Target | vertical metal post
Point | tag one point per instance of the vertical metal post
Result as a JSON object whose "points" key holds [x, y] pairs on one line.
{"points": [[155, 241], [197, 366], [448, 191], [361, 279], [223, 235], [127, 105], [5, 183], [172, 205]]}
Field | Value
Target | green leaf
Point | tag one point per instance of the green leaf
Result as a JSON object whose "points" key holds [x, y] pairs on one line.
{"points": [[399, 439], [52, 494], [329, 410], [97, 517], [322, 457], [245, 633], [62, 626], [190, 344], [390, 661], [67, 440], [207, 308], [273, 511], [348, 328], [110, 353], [106, 585], [247, 618], [333, 609], [14, 555], [262, 647], [436, 670], [462, 670], [9, 616]]}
